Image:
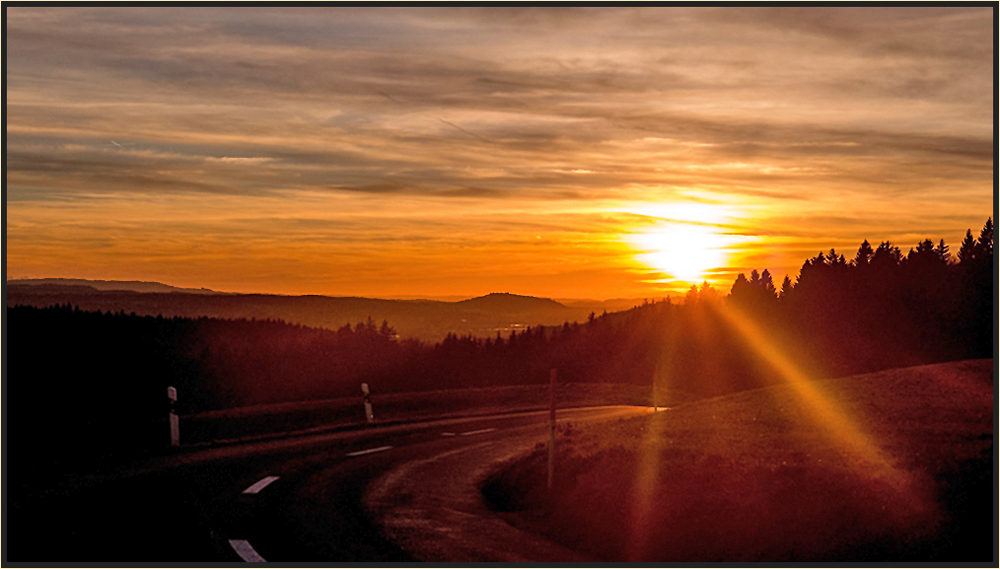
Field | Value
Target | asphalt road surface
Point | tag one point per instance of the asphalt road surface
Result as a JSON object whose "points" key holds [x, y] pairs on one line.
{"points": [[380, 494]]}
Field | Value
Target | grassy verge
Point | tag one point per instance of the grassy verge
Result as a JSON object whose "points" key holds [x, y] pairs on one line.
{"points": [[347, 412], [896, 465]]}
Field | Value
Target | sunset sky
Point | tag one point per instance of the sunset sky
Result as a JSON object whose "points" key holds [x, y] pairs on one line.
{"points": [[566, 153]]}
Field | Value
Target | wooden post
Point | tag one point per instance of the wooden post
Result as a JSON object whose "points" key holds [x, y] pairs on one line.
{"points": [[369, 417], [552, 424], [175, 426]]}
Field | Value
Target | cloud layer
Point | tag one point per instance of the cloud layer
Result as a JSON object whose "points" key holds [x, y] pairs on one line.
{"points": [[388, 144]]}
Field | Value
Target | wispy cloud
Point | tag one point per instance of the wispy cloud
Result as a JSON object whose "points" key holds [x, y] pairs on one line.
{"points": [[789, 113]]}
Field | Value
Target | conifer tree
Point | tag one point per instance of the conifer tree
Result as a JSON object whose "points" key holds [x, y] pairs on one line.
{"points": [[833, 259], [942, 252], [986, 238], [707, 293], [740, 285], [887, 254], [767, 283], [864, 255], [786, 287], [969, 248]]}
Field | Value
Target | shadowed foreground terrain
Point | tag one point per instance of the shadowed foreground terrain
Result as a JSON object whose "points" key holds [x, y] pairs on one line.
{"points": [[895, 465]]}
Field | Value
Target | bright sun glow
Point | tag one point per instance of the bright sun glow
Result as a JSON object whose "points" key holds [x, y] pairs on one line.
{"points": [[687, 243], [685, 252]]}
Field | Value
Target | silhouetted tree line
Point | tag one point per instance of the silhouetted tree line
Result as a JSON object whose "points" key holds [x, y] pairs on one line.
{"points": [[76, 377], [878, 310], [882, 308]]}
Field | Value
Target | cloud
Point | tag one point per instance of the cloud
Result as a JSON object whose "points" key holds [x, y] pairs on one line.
{"points": [[240, 160], [789, 113]]}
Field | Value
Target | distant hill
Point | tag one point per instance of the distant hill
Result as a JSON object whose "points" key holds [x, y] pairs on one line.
{"points": [[504, 301], [134, 286], [427, 320]]}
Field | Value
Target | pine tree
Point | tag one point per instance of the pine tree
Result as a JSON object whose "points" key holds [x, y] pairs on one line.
{"points": [[707, 293], [925, 246], [986, 238], [864, 255], [786, 287], [942, 252], [969, 249], [767, 283], [386, 330], [927, 257], [833, 259], [887, 254], [691, 297], [740, 285]]}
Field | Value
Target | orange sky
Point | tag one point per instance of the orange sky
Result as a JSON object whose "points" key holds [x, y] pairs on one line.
{"points": [[565, 153]]}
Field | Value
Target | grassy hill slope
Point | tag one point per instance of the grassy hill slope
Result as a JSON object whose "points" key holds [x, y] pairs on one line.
{"points": [[888, 466]]}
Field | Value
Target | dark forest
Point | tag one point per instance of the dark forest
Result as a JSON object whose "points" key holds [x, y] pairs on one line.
{"points": [[102, 376]]}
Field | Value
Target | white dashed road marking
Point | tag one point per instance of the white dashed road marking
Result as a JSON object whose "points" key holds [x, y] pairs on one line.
{"points": [[447, 434], [246, 551], [368, 451], [260, 484], [479, 432]]}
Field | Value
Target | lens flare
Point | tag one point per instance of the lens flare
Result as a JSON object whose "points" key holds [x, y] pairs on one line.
{"points": [[844, 432]]}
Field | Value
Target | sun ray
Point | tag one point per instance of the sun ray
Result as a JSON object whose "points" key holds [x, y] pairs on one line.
{"points": [[649, 467], [849, 438]]}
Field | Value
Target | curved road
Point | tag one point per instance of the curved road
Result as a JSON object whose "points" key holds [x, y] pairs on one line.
{"points": [[392, 493]]}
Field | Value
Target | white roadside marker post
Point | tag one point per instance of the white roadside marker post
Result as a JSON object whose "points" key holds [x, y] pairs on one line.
{"points": [[175, 424], [552, 424], [369, 417]]}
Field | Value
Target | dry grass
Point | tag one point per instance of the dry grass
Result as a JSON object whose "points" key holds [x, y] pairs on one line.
{"points": [[895, 465]]}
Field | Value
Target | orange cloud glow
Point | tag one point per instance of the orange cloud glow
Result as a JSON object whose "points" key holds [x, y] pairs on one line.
{"points": [[591, 153]]}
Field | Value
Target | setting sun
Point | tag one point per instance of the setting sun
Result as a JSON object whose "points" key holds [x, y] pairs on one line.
{"points": [[684, 252], [687, 241]]}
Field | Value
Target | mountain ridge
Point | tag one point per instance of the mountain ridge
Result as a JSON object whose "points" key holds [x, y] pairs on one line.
{"points": [[102, 285], [428, 320], [611, 305]]}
